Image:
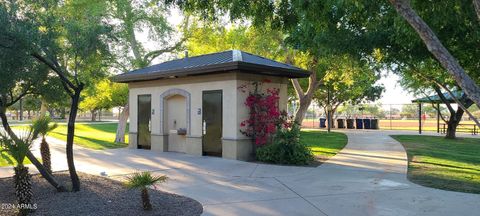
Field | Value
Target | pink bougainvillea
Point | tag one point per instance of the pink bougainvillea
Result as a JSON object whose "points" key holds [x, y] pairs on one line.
{"points": [[264, 113]]}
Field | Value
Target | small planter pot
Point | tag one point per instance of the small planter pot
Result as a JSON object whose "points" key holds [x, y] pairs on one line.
{"points": [[182, 131]]}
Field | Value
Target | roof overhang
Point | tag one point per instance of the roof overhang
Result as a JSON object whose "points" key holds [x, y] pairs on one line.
{"points": [[244, 67]]}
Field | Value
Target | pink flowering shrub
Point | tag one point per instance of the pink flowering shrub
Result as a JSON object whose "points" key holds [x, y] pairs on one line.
{"points": [[265, 115]]}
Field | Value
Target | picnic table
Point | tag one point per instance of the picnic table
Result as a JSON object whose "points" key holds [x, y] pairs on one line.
{"points": [[467, 128]]}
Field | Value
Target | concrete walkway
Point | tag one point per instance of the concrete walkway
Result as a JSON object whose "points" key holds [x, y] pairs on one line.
{"points": [[368, 177]]}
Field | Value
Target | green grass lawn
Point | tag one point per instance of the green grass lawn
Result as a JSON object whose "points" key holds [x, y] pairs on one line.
{"points": [[7, 160], [89, 135], [323, 144], [93, 136], [441, 163]]}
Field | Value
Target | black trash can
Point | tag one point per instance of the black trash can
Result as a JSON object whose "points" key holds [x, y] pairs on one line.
{"points": [[341, 123], [322, 122], [374, 124], [350, 124], [359, 123], [366, 124]]}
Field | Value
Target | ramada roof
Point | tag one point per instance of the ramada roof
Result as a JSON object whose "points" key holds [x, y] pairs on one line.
{"points": [[220, 62], [436, 99]]}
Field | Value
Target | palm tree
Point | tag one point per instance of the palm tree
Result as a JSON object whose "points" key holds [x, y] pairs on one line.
{"points": [[42, 126], [142, 181], [18, 149]]}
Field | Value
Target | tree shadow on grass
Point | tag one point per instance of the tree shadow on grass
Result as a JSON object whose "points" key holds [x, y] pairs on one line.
{"points": [[95, 144]]}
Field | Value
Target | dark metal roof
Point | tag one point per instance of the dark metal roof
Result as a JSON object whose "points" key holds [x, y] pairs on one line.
{"points": [[436, 99], [213, 63]]}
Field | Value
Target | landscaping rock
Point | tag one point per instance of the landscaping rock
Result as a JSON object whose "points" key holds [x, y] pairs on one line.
{"points": [[99, 196]]}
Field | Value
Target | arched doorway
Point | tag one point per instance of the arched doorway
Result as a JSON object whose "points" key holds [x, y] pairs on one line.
{"points": [[175, 120]]}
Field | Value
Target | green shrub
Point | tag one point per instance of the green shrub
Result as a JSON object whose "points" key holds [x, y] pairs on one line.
{"points": [[285, 148]]}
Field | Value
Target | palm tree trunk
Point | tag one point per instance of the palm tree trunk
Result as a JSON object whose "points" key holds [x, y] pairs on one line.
{"points": [[45, 174], [46, 157], [147, 206], [23, 188], [43, 108]]}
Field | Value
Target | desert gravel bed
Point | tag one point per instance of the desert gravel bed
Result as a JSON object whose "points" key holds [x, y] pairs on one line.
{"points": [[99, 196]]}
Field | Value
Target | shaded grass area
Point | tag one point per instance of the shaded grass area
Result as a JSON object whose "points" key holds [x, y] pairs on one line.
{"points": [[323, 144], [443, 163], [7, 160], [93, 136], [96, 136]]}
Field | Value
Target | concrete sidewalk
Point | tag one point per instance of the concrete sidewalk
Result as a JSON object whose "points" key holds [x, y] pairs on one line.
{"points": [[368, 177]]}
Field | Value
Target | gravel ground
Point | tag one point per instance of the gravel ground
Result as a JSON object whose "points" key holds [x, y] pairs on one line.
{"points": [[99, 196]]}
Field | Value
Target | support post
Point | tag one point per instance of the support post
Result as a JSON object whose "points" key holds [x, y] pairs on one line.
{"points": [[419, 118]]}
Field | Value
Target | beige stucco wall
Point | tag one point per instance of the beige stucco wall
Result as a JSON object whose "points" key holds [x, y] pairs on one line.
{"points": [[234, 110]]}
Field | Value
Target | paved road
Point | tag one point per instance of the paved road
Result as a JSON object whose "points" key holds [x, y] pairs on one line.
{"points": [[368, 177]]}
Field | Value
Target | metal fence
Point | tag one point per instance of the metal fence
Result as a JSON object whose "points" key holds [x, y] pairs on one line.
{"points": [[388, 116]]}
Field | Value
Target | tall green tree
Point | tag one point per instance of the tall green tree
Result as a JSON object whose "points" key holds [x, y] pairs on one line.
{"points": [[70, 39], [318, 28], [214, 37], [20, 75], [131, 19], [455, 24], [452, 64], [423, 79], [358, 27], [347, 81], [96, 98]]}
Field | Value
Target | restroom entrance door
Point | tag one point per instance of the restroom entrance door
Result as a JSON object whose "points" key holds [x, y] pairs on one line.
{"points": [[144, 121], [212, 122]]}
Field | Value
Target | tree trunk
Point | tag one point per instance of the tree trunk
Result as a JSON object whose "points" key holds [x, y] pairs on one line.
{"points": [[305, 102], [23, 188], [305, 98], [70, 136], [43, 108], [94, 115], [147, 206], [46, 156], [453, 122], [451, 130], [122, 124], [45, 174], [435, 46], [476, 4]]}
